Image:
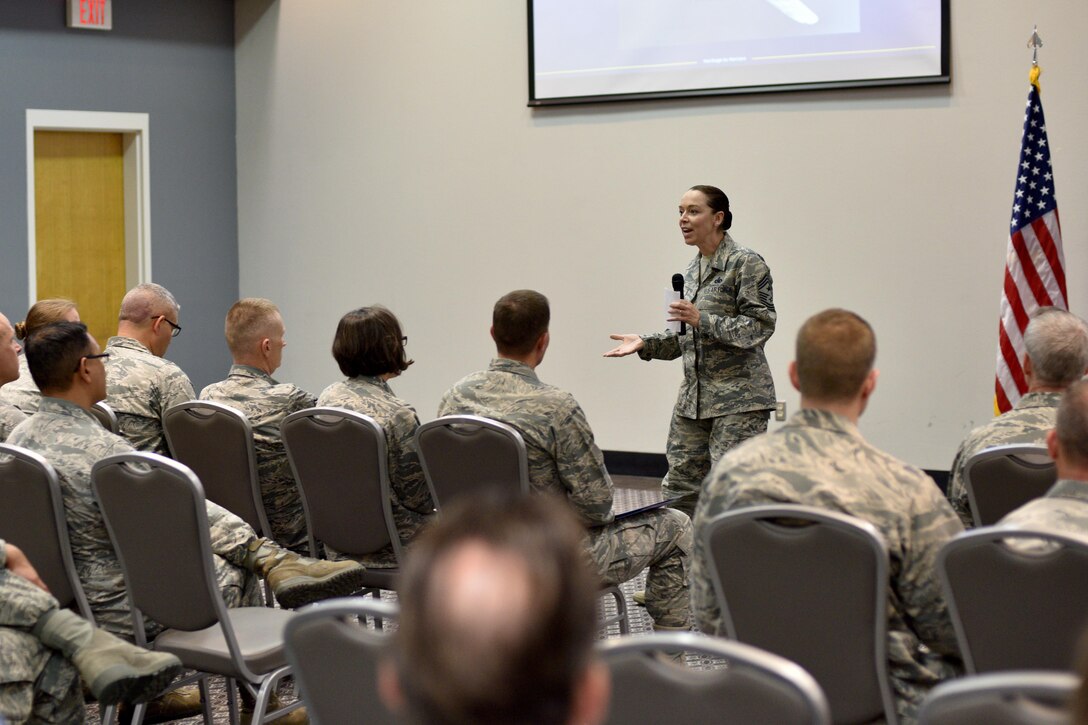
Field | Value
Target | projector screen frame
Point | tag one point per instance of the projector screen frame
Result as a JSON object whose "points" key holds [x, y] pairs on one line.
{"points": [[944, 77]]}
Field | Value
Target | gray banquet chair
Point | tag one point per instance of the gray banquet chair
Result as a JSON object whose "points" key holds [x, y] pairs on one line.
{"points": [[1002, 698], [755, 687], [1004, 478], [336, 658], [216, 442], [809, 585], [156, 515], [104, 414], [1016, 602], [340, 462], [465, 454]]}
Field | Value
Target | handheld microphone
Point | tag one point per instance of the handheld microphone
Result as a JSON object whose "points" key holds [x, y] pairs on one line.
{"points": [[678, 286]]}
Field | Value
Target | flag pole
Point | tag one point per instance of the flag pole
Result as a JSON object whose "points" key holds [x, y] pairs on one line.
{"points": [[1035, 42]]}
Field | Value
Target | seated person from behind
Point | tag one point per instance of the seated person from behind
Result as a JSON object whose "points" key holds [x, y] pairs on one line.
{"points": [[256, 337], [820, 459], [498, 620], [369, 349], [23, 393], [10, 416], [565, 461], [1057, 355]]}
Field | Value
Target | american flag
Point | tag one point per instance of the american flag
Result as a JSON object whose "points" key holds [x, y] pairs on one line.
{"points": [[1034, 262]]}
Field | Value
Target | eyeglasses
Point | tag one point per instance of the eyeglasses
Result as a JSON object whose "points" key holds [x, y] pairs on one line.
{"points": [[103, 355], [176, 327], [404, 340]]}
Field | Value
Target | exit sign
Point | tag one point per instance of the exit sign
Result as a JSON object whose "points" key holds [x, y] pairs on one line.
{"points": [[90, 14]]}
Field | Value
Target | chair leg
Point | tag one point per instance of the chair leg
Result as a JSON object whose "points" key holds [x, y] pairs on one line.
{"points": [[138, 713], [205, 700], [108, 714]]}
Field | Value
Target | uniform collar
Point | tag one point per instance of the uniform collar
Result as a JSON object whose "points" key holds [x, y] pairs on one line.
{"points": [[247, 371], [1068, 488], [1038, 400], [515, 367], [59, 406], [128, 343], [824, 420]]}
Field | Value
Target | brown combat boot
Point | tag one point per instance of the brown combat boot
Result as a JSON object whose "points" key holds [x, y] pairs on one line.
{"points": [[298, 580]]}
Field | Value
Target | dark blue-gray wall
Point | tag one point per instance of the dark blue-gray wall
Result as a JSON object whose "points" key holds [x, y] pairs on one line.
{"points": [[171, 59]]}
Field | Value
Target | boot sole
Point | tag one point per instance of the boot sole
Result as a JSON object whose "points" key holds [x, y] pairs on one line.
{"points": [[302, 590], [122, 683]]}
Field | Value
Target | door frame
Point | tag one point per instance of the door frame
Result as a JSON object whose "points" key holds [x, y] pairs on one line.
{"points": [[135, 144]]}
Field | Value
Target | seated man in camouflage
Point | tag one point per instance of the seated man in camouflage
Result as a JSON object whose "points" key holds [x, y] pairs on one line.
{"points": [[10, 416], [820, 459], [565, 461], [256, 338], [141, 385], [70, 372], [45, 651], [1064, 508], [1057, 355]]}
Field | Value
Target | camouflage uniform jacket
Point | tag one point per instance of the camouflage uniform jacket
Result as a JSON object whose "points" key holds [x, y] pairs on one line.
{"points": [[72, 440], [10, 416], [563, 457], [820, 459], [725, 370], [22, 393], [140, 386], [265, 403], [411, 498], [1063, 510], [1027, 423]]}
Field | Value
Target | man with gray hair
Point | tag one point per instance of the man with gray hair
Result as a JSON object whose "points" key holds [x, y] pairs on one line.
{"points": [[1056, 342], [141, 385], [1064, 508]]}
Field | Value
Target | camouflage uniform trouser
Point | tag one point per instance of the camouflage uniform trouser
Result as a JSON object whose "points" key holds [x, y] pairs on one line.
{"points": [[695, 445], [229, 538], [661, 540], [37, 684]]}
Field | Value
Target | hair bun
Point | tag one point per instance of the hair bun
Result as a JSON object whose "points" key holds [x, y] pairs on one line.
{"points": [[20, 330]]}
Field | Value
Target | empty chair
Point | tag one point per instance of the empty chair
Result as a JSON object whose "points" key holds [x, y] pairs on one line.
{"points": [[336, 659], [1005, 698], [156, 515], [216, 442], [465, 453], [1004, 478], [339, 460], [756, 687], [462, 454], [1016, 603], [811, 586], [104, 414]]}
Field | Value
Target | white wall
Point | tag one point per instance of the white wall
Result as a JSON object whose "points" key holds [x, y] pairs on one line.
{"points": [[386, 154]]}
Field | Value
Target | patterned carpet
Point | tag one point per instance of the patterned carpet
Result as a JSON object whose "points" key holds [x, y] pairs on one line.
{"points": [[630, 492]]}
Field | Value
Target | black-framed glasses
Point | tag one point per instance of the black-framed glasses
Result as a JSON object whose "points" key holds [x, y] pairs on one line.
{"points": [[175, 327], [103, 355], [404, 340]]}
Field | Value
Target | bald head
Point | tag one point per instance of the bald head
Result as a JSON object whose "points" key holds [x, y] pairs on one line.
{"points": [[1056, 342]]}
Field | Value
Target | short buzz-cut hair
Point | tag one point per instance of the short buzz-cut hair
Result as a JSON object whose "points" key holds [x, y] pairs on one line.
{"points": [[836, 349], [248, 321], [146, 301], [498, 613], [1056, 342], [53, 353], [368, 342], [1072, 422], [518, 320]]}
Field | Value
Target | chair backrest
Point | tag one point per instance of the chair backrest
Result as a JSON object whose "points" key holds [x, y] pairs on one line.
{"points": [[105, 416], [216, 442], [462, 454], [33, 519], [1016, 603], [1004, 698], [157, 519], [1004, 478], [335, 660], [755, 687], [809, 585], [340, 462]]}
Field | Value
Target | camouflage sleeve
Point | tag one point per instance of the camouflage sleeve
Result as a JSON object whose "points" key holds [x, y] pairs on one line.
{"points": [[660, 346], [756, 317], [405, 472], [176, 388], [300, 400], [705, 610], [933, 524], [581, 467], [957, 490]]}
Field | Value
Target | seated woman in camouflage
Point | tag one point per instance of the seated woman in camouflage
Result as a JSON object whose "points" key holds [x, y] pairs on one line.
{"points": [[369, 349]]}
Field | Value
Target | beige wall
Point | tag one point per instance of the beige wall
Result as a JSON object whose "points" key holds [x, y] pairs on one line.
{"points": [[386, 154]]}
